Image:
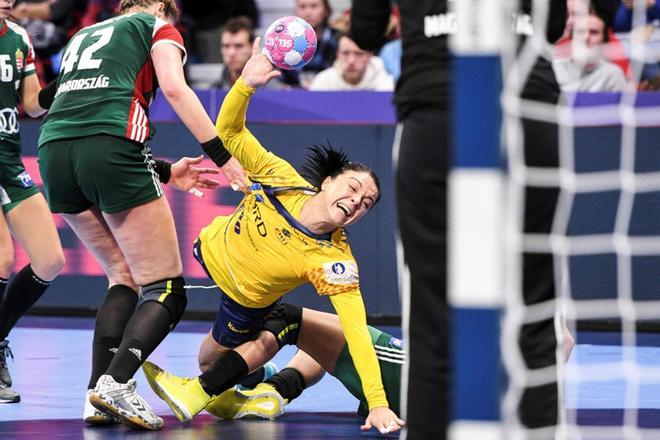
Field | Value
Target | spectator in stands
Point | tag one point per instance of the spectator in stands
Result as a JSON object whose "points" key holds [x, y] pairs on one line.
{"points": [[316, 13], [354, 69], [587, 69], [50, 24], [624, 16], [236, 49], [205, 20]]}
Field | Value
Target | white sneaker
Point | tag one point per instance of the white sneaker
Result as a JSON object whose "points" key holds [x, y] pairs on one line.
{"points": [[93, 416], [121, 401]]}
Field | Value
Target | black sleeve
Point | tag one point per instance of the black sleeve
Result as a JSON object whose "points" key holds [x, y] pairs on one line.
{"points": [[369, 19], [556, 20], [47, 95], [164, 170], [216, 151]]}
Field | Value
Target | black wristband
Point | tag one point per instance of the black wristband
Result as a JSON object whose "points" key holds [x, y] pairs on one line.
{"points": [[164, 170], [216, 151], [47, 95]]}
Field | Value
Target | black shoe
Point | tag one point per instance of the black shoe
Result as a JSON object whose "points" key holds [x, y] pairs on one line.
{"points": [[5, 351]]}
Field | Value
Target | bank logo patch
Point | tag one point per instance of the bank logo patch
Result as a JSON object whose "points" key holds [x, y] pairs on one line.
{"points": [[25, 179], [341, 272]]}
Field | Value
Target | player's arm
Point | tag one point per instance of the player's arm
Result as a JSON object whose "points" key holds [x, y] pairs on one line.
{"points": [[185, 175], [169, 70], [230, 125], [30, 89], [353, 321]]}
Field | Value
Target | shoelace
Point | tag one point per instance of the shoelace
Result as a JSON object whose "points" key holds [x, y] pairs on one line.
{"points": [[4, 353]]}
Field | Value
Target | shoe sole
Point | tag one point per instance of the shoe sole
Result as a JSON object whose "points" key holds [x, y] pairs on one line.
{"points": [[98, 419], [259, 399], [126, 418], [177, 408], [14, 400], [262, 414]]}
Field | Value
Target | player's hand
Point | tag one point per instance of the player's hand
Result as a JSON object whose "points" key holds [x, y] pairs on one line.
{"points": [[235, 175], [258, 70], [187, 177], [384, 420]]}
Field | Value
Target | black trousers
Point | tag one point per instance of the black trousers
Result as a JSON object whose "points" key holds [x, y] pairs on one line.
{"points": [[537, 341], [421, 192]]}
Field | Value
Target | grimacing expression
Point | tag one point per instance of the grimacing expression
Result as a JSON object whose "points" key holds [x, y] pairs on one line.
{"points": [[352, 60], [349, 196], [236, 49]]}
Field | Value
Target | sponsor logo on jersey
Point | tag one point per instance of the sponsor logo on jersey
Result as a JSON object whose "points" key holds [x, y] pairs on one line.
{"points": [[20, 60], [8, 121], [258, 221], [25, 179], [284, 235], [440, 24], [341, 272], [97, 82]]}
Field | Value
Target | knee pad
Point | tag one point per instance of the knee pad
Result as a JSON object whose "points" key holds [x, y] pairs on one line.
{"points": [[170, 293], [284, 322]]}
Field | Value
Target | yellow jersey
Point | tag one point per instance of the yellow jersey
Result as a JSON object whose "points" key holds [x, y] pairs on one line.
{"points": [[261, 251]]}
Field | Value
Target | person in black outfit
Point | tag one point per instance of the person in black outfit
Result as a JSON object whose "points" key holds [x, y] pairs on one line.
{"points": [[422, 101], [423, 108], [539, 405]]}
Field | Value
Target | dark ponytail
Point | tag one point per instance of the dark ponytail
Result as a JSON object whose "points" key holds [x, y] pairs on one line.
{"points": [[324, 161]]}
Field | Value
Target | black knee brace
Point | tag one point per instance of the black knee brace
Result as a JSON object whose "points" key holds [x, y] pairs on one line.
{"points": [[284, 322], [170, 293]]}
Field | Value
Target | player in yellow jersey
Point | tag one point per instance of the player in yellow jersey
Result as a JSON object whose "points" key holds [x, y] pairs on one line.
{"points": [[288, 231]]}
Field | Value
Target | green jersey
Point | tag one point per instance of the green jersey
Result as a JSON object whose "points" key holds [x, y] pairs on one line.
{"points": [[107, 79], [16, 63]]}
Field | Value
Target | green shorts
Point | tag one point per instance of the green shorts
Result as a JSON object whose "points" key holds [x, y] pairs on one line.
{"points": [[390, 357], [110, 172], [16, 185]]}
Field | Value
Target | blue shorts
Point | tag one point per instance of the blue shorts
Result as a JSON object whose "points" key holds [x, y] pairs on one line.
{"points": [[234, 324]]}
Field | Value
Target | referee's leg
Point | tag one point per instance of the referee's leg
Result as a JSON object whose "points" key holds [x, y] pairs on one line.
{"points": [[421, 186]]}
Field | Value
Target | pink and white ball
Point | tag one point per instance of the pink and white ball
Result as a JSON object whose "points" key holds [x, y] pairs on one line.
{"points": [[290, 43]]}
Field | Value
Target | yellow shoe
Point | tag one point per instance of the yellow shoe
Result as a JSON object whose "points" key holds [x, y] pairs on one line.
{"points": [[263, 401], [184, 395]]}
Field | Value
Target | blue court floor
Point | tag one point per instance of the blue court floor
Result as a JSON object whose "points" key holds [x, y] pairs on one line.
{"points": [[52, 364], [51, 369]]}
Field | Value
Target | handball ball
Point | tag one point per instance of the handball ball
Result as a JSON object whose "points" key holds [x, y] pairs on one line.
{"points": [[290, 43]]}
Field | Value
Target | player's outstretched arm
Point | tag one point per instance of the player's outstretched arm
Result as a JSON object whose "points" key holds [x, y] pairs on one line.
{"points": [[169, 70], [258, 70]]}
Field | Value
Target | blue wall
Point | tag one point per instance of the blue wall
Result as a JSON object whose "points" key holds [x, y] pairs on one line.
{"points": [[372, 238]]}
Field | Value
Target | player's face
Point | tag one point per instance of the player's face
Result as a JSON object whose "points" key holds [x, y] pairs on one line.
{"points": [[236, 50], [353, 61], [312, 11], [349, 196], [5, 8]]}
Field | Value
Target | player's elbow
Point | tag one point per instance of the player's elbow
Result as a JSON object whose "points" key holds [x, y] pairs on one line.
{"points": [[173, 90]]}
